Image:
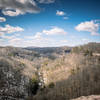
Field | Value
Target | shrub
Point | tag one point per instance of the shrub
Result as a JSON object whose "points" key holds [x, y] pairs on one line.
{"points": [[88, 52], [45, 63], [72, 71], [34, 86], [51, 85]]}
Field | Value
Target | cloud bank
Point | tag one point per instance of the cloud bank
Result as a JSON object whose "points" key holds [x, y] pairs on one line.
{"points": [[88, 26], [17, 7], [55, 31], [10, 29], [39, 39]]}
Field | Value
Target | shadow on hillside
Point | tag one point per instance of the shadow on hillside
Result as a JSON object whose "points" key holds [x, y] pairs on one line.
{"points": [[84, 82]]}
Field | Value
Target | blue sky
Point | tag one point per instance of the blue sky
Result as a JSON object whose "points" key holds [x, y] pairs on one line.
{"points": [[47, 23]]}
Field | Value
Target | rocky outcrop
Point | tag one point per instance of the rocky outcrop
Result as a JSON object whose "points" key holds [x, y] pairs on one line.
{"points": [[92, 97], [13, 84]]}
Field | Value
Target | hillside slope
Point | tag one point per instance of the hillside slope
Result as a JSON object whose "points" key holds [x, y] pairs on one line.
{"points": [[30, 75], [74, 76]]}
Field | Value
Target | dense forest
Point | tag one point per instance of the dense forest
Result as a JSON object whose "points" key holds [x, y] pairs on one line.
{"points": [[50, 73]]}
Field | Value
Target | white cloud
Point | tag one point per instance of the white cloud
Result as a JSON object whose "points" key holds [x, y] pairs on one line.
{"points": [[22, 1], [52, 31], [65, 18], [37, 42], [46, 1], [55, 31], [89, 26], [60, 13], [2, 19], [10, 29], [9, 37], [38, 35], [17, 7], [12, 13], [15, 40], [29, 41], [40, 39]]}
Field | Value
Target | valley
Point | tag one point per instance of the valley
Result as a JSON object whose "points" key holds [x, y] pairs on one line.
{"points": [[54, 73]]}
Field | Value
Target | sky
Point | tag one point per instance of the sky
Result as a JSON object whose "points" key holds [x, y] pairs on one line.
{"points": [[49, 23]]}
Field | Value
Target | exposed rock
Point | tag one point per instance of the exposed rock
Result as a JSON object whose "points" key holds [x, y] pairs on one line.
{"points": [[92, 97]]}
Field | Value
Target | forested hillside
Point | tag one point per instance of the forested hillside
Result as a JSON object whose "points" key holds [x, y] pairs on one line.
{"points": [[61, 73]]}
